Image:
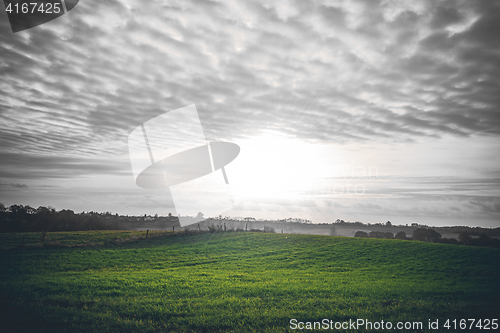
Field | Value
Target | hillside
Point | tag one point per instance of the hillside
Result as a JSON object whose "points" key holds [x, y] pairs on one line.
{"points": [[243, 282]]}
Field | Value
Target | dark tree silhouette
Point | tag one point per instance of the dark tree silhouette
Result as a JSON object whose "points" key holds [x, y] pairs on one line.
{"points": [[465, 238], [388, 235], [375, 234], [427, 235], [400, 235]]}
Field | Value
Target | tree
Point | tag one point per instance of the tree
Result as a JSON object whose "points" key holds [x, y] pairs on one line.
{"points": [[268, 229], [483, 240], [376, 234], [360, 234], [427, 235], [44, 217], [400, 235], [388, 224], [200, 215], [388, 235], [464, 238]]}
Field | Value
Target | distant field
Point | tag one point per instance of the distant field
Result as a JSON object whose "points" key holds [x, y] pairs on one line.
{"points": [[241, 282], [71, 238]]}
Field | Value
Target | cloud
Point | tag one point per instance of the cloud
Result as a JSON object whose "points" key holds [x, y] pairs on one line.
{"points": [[35, 166], [22, 186], [388, 69]]}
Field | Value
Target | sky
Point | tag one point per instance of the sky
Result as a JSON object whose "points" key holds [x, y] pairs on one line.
{"points": [[368, 111]]}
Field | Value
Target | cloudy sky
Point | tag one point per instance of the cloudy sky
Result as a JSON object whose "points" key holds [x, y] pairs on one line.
{"points": [[358, 110]]}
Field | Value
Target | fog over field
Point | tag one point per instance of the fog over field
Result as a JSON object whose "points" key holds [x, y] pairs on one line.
{"points": [[356, 110]]}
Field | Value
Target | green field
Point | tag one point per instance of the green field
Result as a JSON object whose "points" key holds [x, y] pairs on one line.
{"points": [[72, 238], [241, 282]]}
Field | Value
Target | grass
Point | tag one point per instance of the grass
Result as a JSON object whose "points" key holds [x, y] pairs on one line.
{"points": [[71, 238], [242, 282]]}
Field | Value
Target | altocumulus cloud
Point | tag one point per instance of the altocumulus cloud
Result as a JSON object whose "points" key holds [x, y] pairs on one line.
{"points": [[15, 185], [389, 69]]}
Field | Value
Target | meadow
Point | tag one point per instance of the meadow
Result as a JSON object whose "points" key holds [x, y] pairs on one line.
{"points": [[240, 282]]}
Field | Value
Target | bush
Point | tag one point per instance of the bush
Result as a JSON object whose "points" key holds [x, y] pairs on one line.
{"points": [[268, 229], [388, 235], [212, 228], [360, 234], [447, 241], [400, 235], [426, 235], [376, 234], [465, 238]]}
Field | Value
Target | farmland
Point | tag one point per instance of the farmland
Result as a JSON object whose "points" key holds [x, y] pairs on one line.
{"points": [[239, 282]]}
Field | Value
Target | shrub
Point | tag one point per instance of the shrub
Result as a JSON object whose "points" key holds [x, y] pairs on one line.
{"points": [[388, 235], [465, 238], [376, 234], [268, 229], [447, 241], [427, 235], [400, 235]]}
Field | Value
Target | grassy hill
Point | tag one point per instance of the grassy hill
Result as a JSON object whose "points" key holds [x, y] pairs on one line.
{"points": [[244, 282]]}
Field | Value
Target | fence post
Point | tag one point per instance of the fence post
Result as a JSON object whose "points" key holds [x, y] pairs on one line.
{"points": [[246, 226], [198, 227], [173, 228], [147, 231]]}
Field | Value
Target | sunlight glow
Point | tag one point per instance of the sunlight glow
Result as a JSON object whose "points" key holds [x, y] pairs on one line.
{"points": [[275, 166]]}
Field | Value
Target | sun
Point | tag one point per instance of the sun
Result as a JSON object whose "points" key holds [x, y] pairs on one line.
{"points": [[275, 166]]}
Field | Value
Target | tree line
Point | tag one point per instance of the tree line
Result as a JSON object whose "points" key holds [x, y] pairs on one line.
{"points": [[429, 235], [19, 218]]}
